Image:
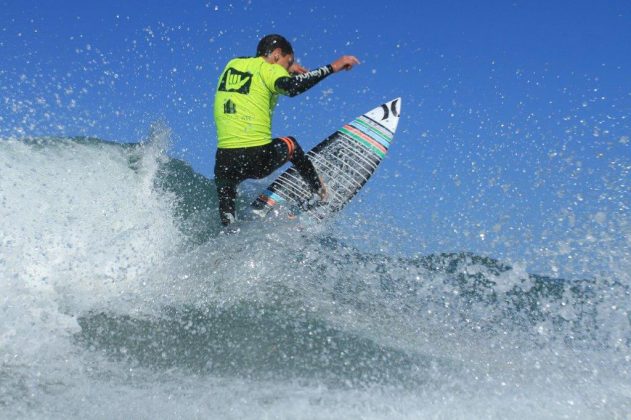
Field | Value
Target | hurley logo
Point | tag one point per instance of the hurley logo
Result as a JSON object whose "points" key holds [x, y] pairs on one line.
{"points": [[236, 81]]}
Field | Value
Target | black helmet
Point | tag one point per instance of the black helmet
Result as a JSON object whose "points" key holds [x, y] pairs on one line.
{"points": [[269, 43]]}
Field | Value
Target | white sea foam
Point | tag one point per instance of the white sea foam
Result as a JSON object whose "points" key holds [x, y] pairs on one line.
{"points": [[79, 229]]}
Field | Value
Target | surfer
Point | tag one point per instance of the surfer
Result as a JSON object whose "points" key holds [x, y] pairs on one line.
{"points": [[246, 95]]}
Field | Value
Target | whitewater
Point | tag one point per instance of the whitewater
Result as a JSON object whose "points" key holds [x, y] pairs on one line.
{"points": [[120, 298]]}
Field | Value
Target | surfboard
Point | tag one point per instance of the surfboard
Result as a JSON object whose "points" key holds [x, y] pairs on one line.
{"points": [[345, 160]]}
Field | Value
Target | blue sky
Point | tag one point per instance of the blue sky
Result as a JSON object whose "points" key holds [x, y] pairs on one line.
{"points": [[514, 139]]}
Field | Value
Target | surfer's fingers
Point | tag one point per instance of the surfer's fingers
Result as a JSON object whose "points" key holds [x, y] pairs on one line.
{"points": [[351, 61], [345, 62]]}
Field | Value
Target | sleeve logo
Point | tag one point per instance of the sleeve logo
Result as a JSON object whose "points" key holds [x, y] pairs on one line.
{"points": [[235, 81]]}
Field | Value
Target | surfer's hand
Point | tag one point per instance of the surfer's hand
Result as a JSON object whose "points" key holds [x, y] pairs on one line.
{"points": [[345, 62], [297, 69]]}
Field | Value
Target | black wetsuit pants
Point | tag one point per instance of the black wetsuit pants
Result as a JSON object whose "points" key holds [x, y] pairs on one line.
{"points": [[232, 166]]}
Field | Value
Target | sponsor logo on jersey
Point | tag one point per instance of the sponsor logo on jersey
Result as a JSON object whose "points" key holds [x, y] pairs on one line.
{"points": [[229, 107], [236, 81]]}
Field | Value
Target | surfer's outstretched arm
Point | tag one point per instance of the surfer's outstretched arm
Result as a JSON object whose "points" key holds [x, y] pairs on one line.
{"points": [[299, 83], [295, 85]]}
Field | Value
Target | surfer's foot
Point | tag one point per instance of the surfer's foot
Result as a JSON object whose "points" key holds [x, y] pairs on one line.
{"points": [[230, 229]]}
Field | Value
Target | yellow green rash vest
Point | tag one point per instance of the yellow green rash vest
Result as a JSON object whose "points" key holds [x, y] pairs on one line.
{"points": [[246, 96]]}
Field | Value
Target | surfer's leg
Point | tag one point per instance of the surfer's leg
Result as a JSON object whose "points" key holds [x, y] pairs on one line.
{"points": [[227, 194], [231, 166], [288, 149]]}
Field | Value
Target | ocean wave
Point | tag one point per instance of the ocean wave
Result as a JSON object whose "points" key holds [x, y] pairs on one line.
{"points": [[114, 254]]}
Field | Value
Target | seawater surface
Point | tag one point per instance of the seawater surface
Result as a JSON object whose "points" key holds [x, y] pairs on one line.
{"points": [[120, 298]]}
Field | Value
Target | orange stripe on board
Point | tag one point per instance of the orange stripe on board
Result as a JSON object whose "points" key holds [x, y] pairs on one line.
{"points": [[365, 137], [267, 200]]}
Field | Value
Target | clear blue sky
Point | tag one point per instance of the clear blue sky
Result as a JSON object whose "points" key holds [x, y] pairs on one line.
{"points": [[514, 140]]}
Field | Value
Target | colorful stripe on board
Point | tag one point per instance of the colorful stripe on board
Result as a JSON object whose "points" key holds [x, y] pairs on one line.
{"points": [[364, 139], [370, 133], [270, 198], [380, 130]]}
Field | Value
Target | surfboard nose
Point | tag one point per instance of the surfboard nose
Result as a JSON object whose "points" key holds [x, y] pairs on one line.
{"points": [[392, 109], [394, 106], [387, 114]]}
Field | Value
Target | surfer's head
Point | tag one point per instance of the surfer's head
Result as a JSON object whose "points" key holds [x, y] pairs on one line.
{"points": [[276, 49]]}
